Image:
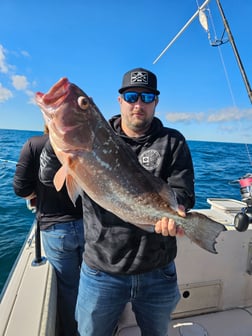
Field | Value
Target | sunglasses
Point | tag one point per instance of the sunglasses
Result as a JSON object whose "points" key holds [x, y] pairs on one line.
{"points": [[132, 97]]}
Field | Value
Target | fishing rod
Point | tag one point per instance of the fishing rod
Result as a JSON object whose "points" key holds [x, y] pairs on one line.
{"points": [[237, 56], [8, 161], [183, 29], [230, 37]]}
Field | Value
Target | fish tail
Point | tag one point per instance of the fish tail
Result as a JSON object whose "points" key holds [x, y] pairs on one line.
{"points": [[203, 231]]}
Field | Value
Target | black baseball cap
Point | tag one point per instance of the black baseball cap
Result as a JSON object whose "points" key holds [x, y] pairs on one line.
{"points": [[139, 78]]}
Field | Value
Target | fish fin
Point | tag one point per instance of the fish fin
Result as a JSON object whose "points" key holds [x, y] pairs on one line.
{"points": [[168, 194], [60, 178], [203, 230], [73, 188], [63, 176]]}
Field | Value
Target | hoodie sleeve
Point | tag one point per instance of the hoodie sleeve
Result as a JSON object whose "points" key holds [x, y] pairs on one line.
{"points": [[181, 177], [24, 182]]}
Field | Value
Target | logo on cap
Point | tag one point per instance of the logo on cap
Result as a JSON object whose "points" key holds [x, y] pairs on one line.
{"points": [[139, 77]]}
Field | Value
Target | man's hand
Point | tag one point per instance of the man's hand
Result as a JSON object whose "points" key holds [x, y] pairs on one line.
{"points": [[167, 226]]}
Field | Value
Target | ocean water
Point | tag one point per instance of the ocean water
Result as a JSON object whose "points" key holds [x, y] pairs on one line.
{"points": [[216, 166]]}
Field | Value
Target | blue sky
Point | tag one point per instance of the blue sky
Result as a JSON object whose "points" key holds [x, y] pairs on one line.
{"points": [[94, 43]]}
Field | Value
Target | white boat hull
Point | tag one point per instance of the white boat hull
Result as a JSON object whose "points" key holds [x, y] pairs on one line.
{"points": [[216, 289]]}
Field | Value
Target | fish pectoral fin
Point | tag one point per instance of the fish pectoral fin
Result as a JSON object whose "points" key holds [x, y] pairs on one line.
{"points": [[168, 194], [60, 178], [73, 188]]}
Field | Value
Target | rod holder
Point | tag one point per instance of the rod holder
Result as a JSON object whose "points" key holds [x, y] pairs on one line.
{"points": [[39, 259]]}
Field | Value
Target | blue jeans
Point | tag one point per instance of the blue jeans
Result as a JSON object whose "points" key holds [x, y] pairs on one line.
{"points": [[102, 298], [64, 245]]}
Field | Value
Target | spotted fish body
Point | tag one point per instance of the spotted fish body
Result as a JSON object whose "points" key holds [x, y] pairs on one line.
{"points": [[96, 160]]}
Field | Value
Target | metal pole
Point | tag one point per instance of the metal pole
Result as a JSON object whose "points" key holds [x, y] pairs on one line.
{"points": [[182, 30], [230, 36], [39, 260]]}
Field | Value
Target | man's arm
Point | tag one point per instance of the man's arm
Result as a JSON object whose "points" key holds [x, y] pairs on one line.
{"points": [[181, 178]]}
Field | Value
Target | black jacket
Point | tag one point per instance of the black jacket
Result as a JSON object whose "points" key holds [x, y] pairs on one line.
{"points": [[51, 206], [115, 246]]}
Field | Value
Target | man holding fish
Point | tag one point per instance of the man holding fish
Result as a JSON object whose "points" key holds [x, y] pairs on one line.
{"points": [[131, 264], [132, 173]]}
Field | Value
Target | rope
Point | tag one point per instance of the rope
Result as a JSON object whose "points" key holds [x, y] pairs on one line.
{"points": [[217, 43], [249, 156]]}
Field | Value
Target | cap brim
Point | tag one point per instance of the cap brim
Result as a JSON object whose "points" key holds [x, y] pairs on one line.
{"points": [[138, 86]]}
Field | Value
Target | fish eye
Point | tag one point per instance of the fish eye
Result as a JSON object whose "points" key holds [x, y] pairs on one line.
{"points": [[83, 102]]}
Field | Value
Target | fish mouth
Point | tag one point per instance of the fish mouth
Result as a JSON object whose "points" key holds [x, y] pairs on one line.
{"points": [[55, 96]]}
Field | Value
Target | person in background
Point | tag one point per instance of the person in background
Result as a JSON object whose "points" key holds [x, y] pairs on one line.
{"points": [[61, 225], [121, 262]]}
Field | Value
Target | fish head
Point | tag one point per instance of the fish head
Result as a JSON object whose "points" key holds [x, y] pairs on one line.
{"points": [[70, 115]]}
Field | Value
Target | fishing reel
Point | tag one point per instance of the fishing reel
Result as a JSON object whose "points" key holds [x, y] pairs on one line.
{"points": [[244, 217]]}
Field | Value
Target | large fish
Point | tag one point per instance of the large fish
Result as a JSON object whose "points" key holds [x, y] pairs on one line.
{"points": [[96, 160]]}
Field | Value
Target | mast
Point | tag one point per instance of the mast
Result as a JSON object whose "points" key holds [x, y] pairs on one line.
{"points": [[237, 56]]}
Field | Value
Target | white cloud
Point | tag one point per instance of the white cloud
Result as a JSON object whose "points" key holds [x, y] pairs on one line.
{"points": [[223, 115], [25, 53], [31, 96], [5, 94], [184, 117], [20, 82], [3, 65], [230, 114]]}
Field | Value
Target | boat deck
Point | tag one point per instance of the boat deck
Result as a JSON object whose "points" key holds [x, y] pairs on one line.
{"points": [[216, 289], [28, 304]]}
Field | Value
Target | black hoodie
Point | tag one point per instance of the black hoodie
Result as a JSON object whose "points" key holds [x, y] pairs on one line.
{"points": [[118, 247], [52, 207], [115, 246]]}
